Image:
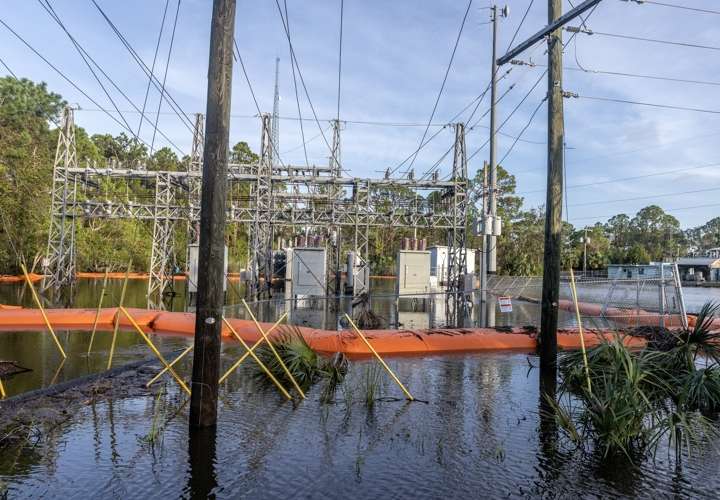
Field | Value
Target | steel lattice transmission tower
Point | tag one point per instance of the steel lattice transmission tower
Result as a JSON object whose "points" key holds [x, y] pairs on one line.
{"points": [[275, 136], [261, 250], [457, 261], [59, 263], [162, 254], [195, 181]]}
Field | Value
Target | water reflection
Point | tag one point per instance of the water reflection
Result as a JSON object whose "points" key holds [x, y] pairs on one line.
{"points": [[410, 312], [202, 479], [485, 431]]}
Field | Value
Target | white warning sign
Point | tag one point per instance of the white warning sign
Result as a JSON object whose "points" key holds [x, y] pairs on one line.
{"points": [[505, 304]]}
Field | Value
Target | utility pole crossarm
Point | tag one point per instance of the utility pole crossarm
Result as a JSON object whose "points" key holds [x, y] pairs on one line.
{"points": [[559, 22]]}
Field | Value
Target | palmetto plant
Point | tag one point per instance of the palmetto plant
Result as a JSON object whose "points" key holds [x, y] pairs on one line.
{"points": [[303, 363], [639, 396]]}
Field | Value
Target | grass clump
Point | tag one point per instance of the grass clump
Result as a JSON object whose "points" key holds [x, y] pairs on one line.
{"points": [[372, 378], [638, 397], [305, 365]]}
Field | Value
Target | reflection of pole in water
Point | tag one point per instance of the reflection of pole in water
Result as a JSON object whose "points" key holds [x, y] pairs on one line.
{"points": [[547, 430], [201, 453]]}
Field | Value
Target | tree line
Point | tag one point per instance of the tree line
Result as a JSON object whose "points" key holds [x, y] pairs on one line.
{"points": [[30, 112]]}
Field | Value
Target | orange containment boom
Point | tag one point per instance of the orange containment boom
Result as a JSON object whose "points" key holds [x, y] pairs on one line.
{"points": [[392, 342]]}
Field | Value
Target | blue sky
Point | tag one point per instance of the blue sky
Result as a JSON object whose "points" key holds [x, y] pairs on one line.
{"points": [[394, 58]]}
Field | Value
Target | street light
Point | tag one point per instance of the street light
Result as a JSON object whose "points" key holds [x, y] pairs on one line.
{"points": [[585, 240]]}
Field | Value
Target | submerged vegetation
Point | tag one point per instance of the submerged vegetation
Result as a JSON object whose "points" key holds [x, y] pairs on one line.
{"points": [[303, 363], [636, 399]]}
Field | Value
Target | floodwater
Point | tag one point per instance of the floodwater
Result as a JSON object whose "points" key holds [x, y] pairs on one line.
{"points": [[478, 432], [37, 351]]}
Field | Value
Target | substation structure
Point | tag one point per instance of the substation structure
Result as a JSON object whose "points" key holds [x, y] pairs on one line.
{"points": [[267, 196]]}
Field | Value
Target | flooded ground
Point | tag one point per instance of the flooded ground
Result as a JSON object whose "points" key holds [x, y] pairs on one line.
{"points": [[36, 350], [477, 430], [476, 433]]}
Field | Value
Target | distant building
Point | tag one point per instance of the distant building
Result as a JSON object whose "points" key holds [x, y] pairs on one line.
{"points": [[638, 271], [700, 268], [713, 252]]}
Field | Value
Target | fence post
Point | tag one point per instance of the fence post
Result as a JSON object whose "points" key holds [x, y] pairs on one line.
{"points": [[662, 295], [680, 295]]}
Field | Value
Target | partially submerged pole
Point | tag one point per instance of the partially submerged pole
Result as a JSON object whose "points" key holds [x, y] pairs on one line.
{"points": [[42, 311], [553, 205], [116, 318], [211, 273], [99, 308]]}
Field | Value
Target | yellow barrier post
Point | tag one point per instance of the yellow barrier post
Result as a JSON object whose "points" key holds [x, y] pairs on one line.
{"points": [[579, 321], [42, 310], [382, 361], [172, 363], [155, 350], [259, 362], [117, 315], [272, 348], [252, 349], [97, 313], [3, 394]]}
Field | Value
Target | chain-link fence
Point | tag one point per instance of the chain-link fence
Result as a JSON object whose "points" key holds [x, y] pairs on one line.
{"points": [[604, 301], [651, 298]]}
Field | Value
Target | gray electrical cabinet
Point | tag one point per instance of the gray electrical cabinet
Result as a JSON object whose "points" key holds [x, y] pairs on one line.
{"points": [[413, 272], [308, 270], [194, 257]]}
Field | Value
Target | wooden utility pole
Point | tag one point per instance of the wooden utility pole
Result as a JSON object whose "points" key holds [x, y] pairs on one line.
{"points": [[553, 204], [211, 272]]}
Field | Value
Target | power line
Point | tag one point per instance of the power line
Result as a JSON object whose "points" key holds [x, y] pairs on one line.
{"points": [[247, 78], [8, 68], [517, 30], [252, 93], [532, 116], [478, 100], [675, 6], [675, 209], [442, 87], [152, 68], [189, 123], [511, 114], [650, 104], [87, 59], [65, 77], [583, 69], [642, 39], [297, 95], [632, 178], [167, 66], [650, 197], [302, 81], [317, 136], [83, 54]]}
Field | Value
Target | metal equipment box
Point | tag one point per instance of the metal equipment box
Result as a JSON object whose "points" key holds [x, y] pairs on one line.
{"points": [[309, 275], [439, 262], [194, 257], [413, 272]]}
